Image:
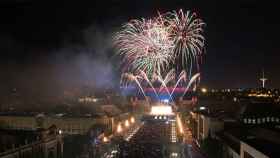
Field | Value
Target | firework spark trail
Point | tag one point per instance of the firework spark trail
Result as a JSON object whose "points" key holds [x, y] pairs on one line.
{"points": [[187, 29], [194, 78], [142, 73], [160, 79], [129, 77], [145, 45], [182, 76], [152, 46], [168, 77]]}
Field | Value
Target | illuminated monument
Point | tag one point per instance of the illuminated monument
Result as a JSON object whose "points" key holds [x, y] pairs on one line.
{"points": [[263, 79]]}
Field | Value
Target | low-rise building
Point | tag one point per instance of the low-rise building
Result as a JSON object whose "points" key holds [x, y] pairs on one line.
{"points": [[204, 124], [109, 116], [41, 143], [67, 124], [250, 131], [250, 143]]}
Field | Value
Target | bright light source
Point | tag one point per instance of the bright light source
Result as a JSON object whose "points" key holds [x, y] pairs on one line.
{"points": [[126, 123], [161, 110], [105, 139], [119, 128], [202, 108], [203, 90], [174, 154], [60, 132], [180, 125], [166, 100], [132, 120]]}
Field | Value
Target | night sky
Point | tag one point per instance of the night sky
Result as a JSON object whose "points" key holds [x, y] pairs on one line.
{"points": [[50, 46]]}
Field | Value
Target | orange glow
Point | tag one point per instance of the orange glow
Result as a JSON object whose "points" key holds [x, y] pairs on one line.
{"points": [[105, 139], [132, 120], [180, 125], [203, 90], [126, 123], [119, 128]]}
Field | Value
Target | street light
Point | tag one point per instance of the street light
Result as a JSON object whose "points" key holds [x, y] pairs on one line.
{"points": [[105, 139], [126, 123], [132, 120], [202, 108], [119, 128], [203, 90]]}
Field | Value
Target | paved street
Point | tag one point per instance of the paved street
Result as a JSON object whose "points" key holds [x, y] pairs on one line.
{"points": [[146, 140]]}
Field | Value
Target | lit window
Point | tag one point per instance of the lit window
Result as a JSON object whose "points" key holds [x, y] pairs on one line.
{"points": [[277, 119], [245, 120], [272, 119], [254, 121], [267, 119], [259, 120], [249, 121], [263, 120]]}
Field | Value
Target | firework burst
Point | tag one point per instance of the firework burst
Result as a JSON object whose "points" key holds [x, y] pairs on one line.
{"points": [[145, 45], [152, 45], [150, 48], [186, 31]]}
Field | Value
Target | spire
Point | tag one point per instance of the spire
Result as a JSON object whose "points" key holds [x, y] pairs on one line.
{"points": [[263, 79]]}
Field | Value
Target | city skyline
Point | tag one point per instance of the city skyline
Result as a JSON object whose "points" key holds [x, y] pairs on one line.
{"points": [[70, 48], [139, 79]]}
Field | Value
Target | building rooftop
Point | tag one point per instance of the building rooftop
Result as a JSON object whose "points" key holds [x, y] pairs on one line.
{"points": [[264, 140], [261, 109]]}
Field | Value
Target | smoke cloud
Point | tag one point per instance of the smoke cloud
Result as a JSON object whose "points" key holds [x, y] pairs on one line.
{"points": [[84, 64]]}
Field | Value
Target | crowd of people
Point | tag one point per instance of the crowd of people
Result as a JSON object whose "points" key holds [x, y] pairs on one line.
{"points": [[148, 142]]}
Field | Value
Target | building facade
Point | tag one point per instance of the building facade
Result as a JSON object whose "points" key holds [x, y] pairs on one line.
{"points": [[204, 125], [67, 125], [47, 143]]}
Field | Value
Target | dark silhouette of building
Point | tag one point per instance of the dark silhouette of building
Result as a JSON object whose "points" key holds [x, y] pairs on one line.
{"points": [[40, 143]]}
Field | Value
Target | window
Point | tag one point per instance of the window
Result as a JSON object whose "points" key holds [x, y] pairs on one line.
{"points": [[263, 120], [259, 121], [249, 121]]}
